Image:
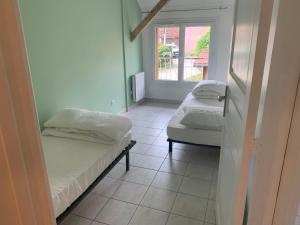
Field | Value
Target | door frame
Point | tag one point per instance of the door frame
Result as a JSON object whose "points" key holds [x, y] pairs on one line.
{"points": [[275, 112], [288, 198], [25, 195]]}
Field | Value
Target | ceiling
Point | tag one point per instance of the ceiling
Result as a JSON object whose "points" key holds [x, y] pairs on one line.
{"points": [[147, 5]]}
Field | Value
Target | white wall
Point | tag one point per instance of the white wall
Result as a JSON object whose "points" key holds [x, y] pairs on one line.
{"points": [[222, 21]]}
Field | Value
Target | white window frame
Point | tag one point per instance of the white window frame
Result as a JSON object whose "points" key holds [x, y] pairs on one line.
{"points": [[154, 49], [182, 25]]}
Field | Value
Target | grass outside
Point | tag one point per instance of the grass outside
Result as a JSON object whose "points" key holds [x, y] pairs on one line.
{"points": [[196, 77]]}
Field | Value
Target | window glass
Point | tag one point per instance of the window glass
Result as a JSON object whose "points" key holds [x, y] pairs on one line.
{"points": [[167, 53], [196, 53]]}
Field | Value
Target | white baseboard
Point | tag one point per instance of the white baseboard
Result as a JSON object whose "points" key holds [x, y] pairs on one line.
{"points": [[132, 106], [136, 104]]}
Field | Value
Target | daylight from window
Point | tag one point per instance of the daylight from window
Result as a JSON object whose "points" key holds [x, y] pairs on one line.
{"points": [[167, 53], [196, 53]]}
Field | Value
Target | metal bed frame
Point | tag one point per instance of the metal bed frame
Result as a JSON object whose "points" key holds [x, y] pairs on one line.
{"points": [[171, 141], [125, 152]]}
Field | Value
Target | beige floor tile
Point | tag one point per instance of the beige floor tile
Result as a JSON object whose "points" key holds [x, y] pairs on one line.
{"points": [[163, 134], [173, 166], [116, 213], [140, 148], [194, 186], [147, 216], [167, 181], [118, 172], [190, 206], [180, 155], [141, 123], [213, 191], [202, 171], [149, 124], [90, 206], [180, 220], [107, 187], [210, 216], [145, 161], [140, 175], [160, 141], [97, 223], [205, 155], [157, 151], [75, 220], [215, 174], [144, 139], [159, 199], [130, 192], [146, 131]]}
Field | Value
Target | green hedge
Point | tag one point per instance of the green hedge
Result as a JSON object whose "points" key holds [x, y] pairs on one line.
{"points": [[202, 44]]}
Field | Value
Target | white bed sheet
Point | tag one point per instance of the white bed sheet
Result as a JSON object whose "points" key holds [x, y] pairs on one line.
{"points": [[179, 132], [73, 165], [191, 101]]}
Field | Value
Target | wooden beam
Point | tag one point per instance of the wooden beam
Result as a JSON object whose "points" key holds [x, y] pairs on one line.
{"points": [[146, 21]]}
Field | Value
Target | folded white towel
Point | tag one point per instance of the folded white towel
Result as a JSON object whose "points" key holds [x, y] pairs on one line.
{"points": [[106, 127], [203, 118], [210, 89]]}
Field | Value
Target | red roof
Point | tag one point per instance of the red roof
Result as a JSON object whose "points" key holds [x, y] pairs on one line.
{"points": [[171, 32], [203, 59]]}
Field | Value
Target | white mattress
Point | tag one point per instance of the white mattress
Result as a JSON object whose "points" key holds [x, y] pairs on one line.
{"points": [[211, 103], [179, 132], [73, 165]]}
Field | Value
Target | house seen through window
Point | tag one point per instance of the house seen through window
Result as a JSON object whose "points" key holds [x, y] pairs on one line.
{"points": [[188, 62]]}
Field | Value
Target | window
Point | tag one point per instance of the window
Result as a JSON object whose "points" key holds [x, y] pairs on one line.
{"points": [[182, 52], [196, 53], [167, 53]]}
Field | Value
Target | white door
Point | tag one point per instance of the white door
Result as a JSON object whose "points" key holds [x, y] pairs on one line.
{"points": [[251, 31]]}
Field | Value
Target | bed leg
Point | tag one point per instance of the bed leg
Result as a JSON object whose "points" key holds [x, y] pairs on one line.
{"points": [[170, 146], [127, 161]]}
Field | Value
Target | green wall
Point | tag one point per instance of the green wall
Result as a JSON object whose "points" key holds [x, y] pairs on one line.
{"points": [[133, 50], [75, 53]]}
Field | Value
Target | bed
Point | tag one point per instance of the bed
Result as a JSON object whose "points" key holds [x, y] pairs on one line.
{"points": [[69, 175], [179, 133]]}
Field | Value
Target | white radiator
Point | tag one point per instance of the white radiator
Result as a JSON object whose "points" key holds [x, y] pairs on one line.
{"points": [[138, 86]]}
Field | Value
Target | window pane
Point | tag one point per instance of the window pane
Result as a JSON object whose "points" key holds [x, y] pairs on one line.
{"points": [[196, 53], [167, 53]]}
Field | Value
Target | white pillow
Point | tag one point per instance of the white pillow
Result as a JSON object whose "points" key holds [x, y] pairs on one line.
{"points": [[203, 118], [209, 89]]}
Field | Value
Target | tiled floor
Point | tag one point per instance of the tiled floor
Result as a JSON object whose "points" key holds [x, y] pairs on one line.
{"points": [[160, 188]]}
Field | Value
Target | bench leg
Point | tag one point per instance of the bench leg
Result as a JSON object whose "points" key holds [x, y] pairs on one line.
{"points": [[170, 146], [127, 161]]}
